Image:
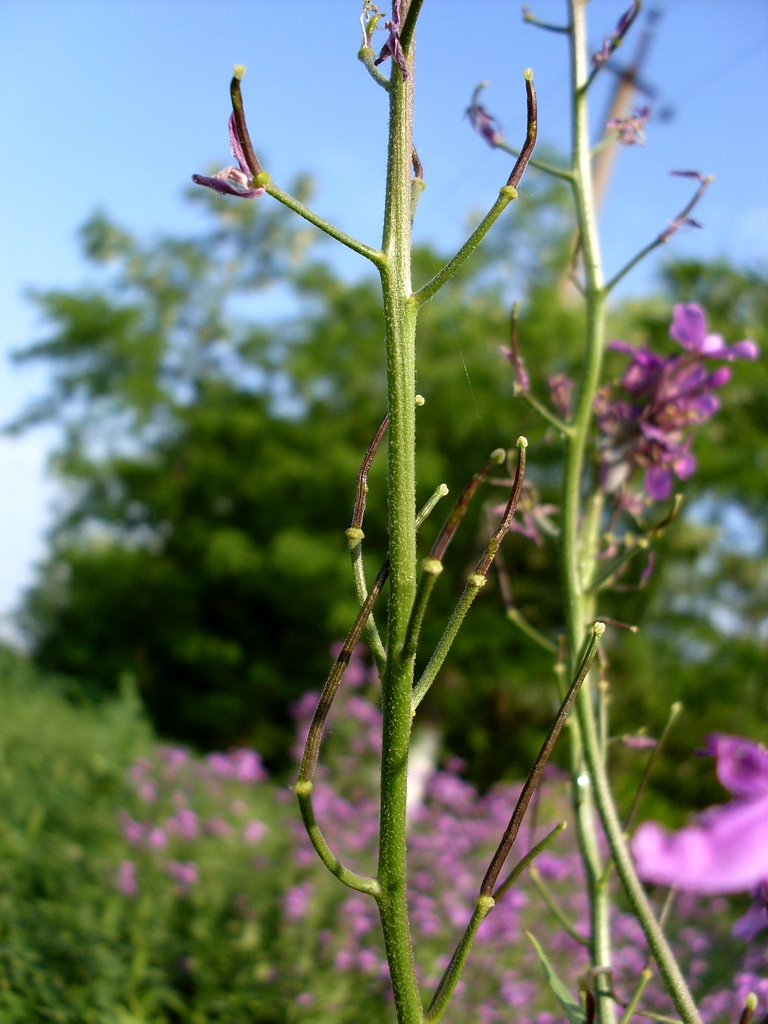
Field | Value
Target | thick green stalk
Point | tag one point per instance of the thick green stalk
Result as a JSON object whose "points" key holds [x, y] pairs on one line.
{"points": [[578, 560], [579, 608], [400, 321]]}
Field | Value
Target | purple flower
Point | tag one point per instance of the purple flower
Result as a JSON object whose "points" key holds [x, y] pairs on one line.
{"points": [[148, 792], [297, 901], [668, 397], [630, 131], [639, 742], [126, 878], [241, 763], [231, 181], [157, 838], [689, 328], [254, 831], [185, 823], [133, 831], [561, 393], [610, 43], [218, 827], [184, 872], [392, 48], [756, 918], [533, 516], [485, 124], [726, 849]]}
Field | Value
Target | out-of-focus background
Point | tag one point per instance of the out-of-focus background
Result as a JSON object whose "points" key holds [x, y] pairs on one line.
{"points": [[189, 383]]}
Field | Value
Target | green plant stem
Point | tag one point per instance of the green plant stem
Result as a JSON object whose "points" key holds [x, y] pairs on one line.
{"points": [[315, 734], [560, 425], [577, 609], [548, 26], [483, 906], [555, 908], [674, 711], [637, 995], [506, 194], [578, 563], [449, 980], [606, 578], [355, 537], [430, 570], [400, 322], [661, 239], [374, 255], [409, 22], [532, 854], [366, 56], [440, 492], [540, 165], [362, 883], [636, 896], [432, 566], [534, 775], [475, 581], [516, 617], [370, 630], [367, 598], [472, 588]]}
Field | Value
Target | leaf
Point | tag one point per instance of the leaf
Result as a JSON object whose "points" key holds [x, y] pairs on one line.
{"points": [[571, 1008]]}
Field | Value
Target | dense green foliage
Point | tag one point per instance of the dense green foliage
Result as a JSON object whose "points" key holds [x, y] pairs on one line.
{"points": [[211, 446], [77, 950], [264, 934]]}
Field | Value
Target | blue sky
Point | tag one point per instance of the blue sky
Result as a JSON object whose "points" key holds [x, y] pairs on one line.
{"points": [[115, 103]]}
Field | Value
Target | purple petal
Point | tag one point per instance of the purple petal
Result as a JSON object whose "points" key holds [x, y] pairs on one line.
{"points": [[485, 124], [639, 742], [686, 378], [658, 482], [745, 350], [726, 851], [561, 392], [226, 187], [617, 345], [720, 376], [236, 146], [755, 919], [742, 764], [714, 346], [626, 19], [392, 48], [647, 572], [689, 174], [527, 528], [689, 326], [700, 407], [643, 371], [655, 433], [685, 466]]}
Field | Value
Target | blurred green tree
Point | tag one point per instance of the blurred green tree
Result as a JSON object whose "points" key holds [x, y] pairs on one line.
{"points": [[216, 395]]}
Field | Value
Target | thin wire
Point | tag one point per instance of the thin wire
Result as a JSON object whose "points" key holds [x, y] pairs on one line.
{"points": [[701, 82], [471, 390]]}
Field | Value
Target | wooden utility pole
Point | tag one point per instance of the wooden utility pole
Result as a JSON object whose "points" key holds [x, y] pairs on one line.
{"points": [[628, 82]]}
